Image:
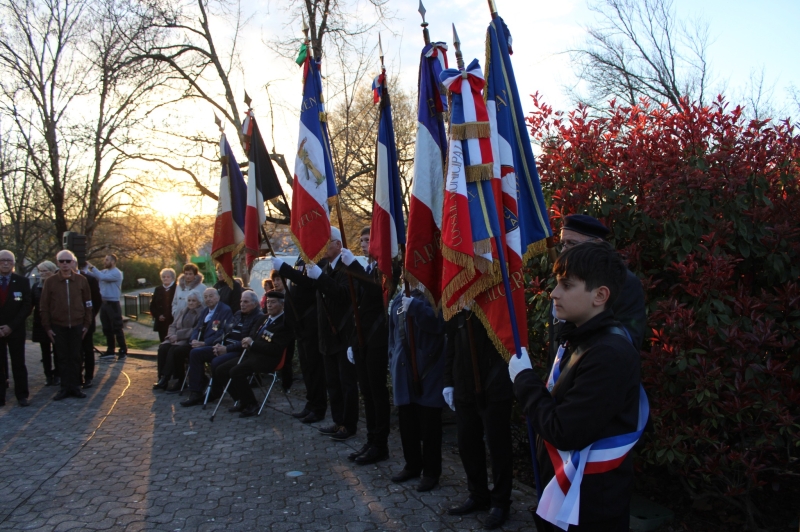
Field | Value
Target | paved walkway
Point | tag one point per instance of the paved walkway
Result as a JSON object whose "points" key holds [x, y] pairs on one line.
{"points": [[126, 458]]}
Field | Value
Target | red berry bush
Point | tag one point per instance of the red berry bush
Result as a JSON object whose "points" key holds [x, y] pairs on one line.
{"points": [[705, 206]]}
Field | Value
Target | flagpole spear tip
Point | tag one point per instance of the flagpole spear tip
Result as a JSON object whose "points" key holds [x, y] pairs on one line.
{"points": [[380, 50], [218, 122], [457, 46], [305, 27], [425, 34], [247, 99]]}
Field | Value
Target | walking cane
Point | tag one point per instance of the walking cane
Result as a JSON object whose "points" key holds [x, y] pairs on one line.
{"points": [[221, 397]]}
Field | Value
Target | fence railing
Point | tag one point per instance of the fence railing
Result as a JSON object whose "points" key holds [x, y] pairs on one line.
{"points": [[136, 305]]}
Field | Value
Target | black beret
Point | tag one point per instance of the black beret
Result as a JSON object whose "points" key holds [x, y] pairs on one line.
{"points": [[586, 225], [274, 294]]}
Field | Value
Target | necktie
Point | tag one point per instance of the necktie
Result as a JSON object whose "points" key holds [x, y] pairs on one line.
{"points": [[4, 282]]}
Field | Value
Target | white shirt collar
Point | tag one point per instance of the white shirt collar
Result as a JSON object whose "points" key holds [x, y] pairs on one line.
{"points": [[273, 318], [335, 261]]}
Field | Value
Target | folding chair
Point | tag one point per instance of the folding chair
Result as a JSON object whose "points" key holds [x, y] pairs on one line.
{"points": [[222, 396], [274, 374]]}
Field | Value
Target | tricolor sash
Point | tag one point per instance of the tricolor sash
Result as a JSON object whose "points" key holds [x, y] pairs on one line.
{"points": [[560, 502]]}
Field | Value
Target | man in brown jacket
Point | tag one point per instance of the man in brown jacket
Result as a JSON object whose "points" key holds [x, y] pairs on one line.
{"points": [[66, 311]]}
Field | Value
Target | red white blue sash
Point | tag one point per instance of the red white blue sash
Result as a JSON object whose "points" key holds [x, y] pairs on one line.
{"points": [[561, 500]]}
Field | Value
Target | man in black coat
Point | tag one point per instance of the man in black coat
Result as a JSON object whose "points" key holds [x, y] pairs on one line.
{"points": [[335, 324], [592, 393], [87, 343], [628, 307], [477, 388], [369, 351], [230, 295], [266, 345], [15, 305], [300, 310]]}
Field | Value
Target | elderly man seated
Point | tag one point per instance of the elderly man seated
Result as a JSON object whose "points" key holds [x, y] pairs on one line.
{"points": [[265, 345], [208, 332]]}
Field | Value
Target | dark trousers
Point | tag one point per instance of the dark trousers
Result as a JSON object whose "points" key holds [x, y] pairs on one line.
{"points": [[172, 360], [493, 422], [87, 348], [421, 436], [67, 344], [287, 377], [372, 368], [240, 389], [49, 362], [342, 382], [615, 524], [111, 319], [15, 347], [197, 360], [313, 368]]}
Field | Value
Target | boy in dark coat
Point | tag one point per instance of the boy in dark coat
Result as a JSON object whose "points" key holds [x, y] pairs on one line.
{"points": [[418, 387], [592, 394]]}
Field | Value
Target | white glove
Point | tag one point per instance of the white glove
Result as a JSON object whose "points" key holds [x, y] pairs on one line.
{"points": [[448, 397], [517, 364], [347, 257], [350, 356], [314, 272], [276, 263], [406, 303]]}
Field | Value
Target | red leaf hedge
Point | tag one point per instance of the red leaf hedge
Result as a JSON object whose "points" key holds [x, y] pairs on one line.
{"points": [[704, 204]]}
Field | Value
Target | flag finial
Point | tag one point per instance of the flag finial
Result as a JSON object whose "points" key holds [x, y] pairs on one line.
{"points": [[218, 122], [457, 46], [247, 99], [380, 51], [305, 27], [493, 8], [425, 34]]}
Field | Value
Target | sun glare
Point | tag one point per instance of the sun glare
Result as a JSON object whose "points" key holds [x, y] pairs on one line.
{"points": [[171, 204]]}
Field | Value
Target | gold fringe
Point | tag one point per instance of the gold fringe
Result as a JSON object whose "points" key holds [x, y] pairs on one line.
{"points": [[415, 284], [306, 259], [479, 172], [496, 341], [323, 117], [233, 249], [534, 249], [333, 200], [470, 130], [482, 247]]}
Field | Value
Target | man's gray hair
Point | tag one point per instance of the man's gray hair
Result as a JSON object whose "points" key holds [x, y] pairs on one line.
{"points": [[252, 295]]}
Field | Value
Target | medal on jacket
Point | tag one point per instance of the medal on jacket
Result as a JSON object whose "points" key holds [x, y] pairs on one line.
{"points": [[266, 335], [215, 325], [17, 296]]}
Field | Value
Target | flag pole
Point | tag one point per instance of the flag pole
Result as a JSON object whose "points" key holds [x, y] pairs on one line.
{"points": [[353, 297], [515, 330], [425, 34]]}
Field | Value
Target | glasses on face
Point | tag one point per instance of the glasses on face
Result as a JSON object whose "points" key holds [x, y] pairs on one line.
{"points": [[64, 261], [6, 260]]}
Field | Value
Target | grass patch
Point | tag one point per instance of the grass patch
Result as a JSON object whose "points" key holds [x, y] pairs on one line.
{"points": [[133, 343]]}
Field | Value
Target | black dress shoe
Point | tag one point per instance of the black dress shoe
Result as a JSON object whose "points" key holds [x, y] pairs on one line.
{"points": [[56, 381], [62, 394], [427, 484], [194, 399], [468, 507], [373, 455], [78, 394], [312, 418], [355, 454], [23, 402], [303, 413], [404, 475], [249, 411], [330, 430], [495, 519], [162, 384], [48, 380], [238, 407], [342, 434], [87, 384]]}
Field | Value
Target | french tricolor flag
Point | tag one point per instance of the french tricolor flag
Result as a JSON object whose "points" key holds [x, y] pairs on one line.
{"points": [[314, 184], [229, 225], [423, 260], [388, 229]]}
